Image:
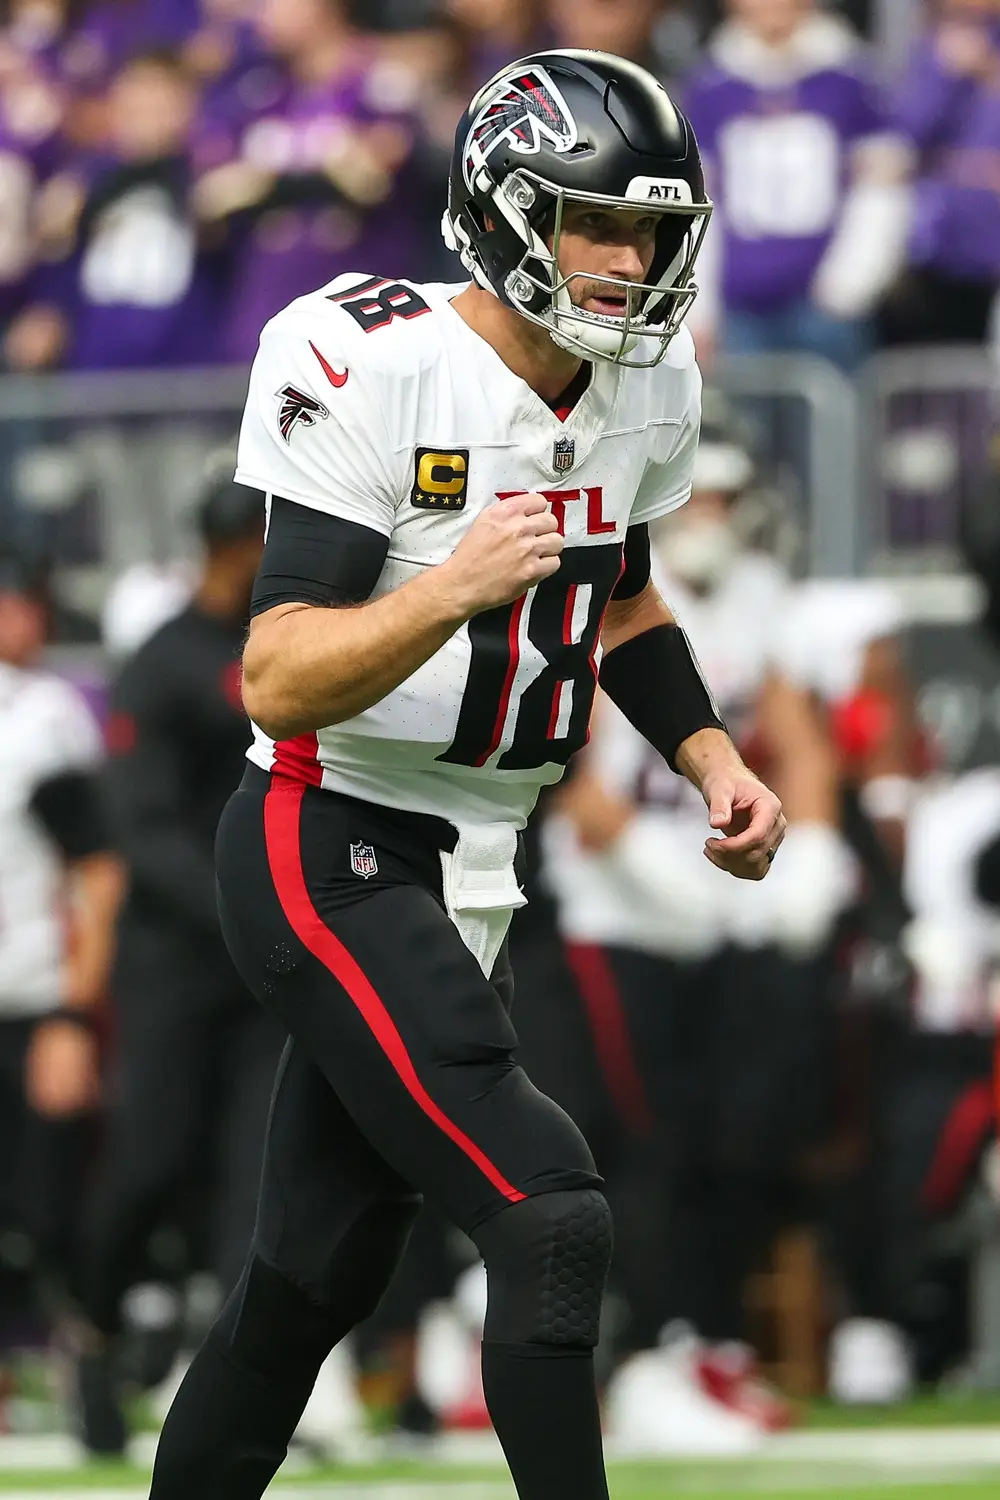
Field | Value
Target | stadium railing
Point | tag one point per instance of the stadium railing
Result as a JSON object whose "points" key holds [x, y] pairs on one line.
{"points": [[105, 465]]}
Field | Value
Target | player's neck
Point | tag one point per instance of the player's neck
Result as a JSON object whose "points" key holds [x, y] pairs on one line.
{"points": [[523, 347]]}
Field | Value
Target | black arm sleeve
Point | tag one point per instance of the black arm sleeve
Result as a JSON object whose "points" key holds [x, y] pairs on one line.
{"points": [[655, 679], [312, 558], [169, 859], [635, 573], [71, 810]]}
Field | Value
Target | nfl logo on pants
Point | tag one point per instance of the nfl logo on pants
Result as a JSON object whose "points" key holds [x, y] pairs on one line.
{"points": [[363, 861], [563, 454]]}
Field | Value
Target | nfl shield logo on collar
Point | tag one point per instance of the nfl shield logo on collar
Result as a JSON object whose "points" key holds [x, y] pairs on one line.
{"points": [[563, 454], [363, 861]]}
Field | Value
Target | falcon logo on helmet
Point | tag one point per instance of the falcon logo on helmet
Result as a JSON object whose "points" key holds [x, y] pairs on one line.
{"points": [[570, 130], [297, 407], [522, 111]]}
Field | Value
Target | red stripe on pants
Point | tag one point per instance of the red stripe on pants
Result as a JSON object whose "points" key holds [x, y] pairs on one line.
{"points": [[282, 813], [602, 1000], [965, 1131]]}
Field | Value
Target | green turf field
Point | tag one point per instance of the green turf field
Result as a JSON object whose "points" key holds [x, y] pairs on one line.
{"points": [[932, 1449], [632, 1482], [964, 1465]]}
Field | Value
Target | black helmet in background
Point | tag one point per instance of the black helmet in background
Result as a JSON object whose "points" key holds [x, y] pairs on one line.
{"points": [[580, 127]]}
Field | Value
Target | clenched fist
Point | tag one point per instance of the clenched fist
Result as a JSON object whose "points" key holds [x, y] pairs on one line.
{"points": [[508, 549]]}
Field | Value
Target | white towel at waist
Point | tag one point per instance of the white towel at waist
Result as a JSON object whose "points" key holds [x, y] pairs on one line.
{"points": [[480, 887]]}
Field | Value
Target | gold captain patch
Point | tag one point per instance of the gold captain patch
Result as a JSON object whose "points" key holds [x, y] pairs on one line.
{"points": [[440, 480]]}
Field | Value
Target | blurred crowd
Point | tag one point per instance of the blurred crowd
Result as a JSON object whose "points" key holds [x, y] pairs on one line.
{"points": [[787, 1086], [174, 171]]}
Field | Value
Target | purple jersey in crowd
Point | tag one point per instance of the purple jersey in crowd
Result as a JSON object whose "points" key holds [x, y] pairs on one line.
{"points": [[954, 123], [777, 129], [136, 292], [306, 232], [113, 31]]}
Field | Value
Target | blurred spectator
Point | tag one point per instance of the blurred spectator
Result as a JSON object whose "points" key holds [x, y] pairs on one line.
{"points": [[710, 1001], [625, 27], [811, 208], [842, 643], [101, 36], [949, 108], [935, 1114], [312, 185], [196, 1055], [238, 76], [490, 34], [30, 117], [59, 890], [133, 287]]}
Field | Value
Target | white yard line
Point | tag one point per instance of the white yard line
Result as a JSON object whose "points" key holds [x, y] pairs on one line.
{"points": [[845, 1460]]}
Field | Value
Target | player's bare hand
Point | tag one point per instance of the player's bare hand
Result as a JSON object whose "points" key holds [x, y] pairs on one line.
{"points": [[748, 815], [508, 549], [62, 1075]]}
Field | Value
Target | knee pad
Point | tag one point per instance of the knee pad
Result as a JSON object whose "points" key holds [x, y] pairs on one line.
{"points": [[546, 1262]]}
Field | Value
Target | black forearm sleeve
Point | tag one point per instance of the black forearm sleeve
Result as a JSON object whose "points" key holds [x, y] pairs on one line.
{"points": [[313, 558], [656, 681]]}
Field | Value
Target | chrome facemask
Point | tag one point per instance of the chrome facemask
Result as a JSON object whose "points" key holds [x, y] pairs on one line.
{"points": [[653, 311]]}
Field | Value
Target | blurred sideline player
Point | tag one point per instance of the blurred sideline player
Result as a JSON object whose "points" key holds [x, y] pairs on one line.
{"points": [[59, 889], [422, 659], [842, 642], [709, 1001], [195, 1054]]}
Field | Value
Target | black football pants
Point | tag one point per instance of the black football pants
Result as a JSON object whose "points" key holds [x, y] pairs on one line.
{"points": [[399, 1079]]}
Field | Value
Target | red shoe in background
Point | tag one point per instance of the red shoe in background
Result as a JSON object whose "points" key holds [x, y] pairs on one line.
{"points": [[469, 1414], [729, 1373]]}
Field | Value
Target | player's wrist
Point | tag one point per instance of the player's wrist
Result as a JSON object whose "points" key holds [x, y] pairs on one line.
{"points": [[709, 753], [452, 593]]}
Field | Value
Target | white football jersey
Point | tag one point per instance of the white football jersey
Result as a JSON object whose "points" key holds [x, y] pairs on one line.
{"points": [[954, 938], [830, 624], [45, 729], [374, 401]]}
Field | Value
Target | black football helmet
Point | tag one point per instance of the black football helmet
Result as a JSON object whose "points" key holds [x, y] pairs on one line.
{"points": [[584, 127]]}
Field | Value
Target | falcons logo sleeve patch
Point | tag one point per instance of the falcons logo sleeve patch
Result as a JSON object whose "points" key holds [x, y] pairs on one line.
{"points": [[298, 407]]}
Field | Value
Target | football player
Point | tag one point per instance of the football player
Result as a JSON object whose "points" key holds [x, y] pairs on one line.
{"points": [[459, 480]]}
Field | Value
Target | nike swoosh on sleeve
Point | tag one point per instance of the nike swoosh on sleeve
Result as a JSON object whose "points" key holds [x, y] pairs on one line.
{"points": [[335, 377]]}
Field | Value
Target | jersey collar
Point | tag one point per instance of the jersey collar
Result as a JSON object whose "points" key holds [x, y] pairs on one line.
{"points": [[537, 425]]}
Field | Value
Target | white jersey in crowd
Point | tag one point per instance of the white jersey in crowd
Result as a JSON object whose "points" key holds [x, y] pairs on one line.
{"points": [[653, 889], [827, 630], [954, 938], [376, 402], [46, 729]]}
